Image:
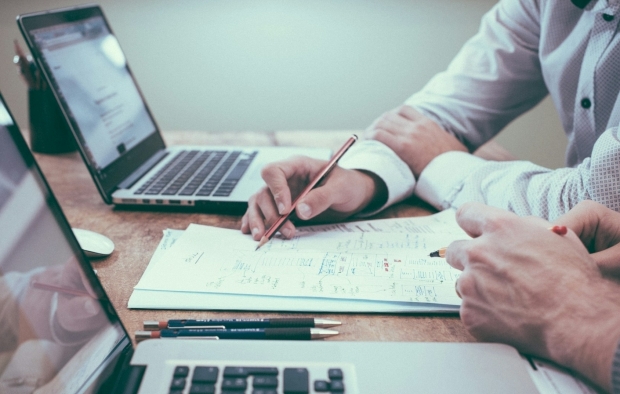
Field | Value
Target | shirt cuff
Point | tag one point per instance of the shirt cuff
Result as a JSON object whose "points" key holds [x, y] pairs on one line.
{"points": [[443, 178], [375, 157], [615, 372]]}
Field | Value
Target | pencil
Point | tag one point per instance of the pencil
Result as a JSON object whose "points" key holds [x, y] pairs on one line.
{"points": [[559, 230], [59, 289], [438, 253], [322, 174]]}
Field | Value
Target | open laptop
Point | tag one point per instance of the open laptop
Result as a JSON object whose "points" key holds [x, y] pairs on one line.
{"points": [[115, 131], [60, 333]]}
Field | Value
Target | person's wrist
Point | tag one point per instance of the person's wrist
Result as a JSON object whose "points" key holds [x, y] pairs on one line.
{"points": [[585, 337], [374, 191]]}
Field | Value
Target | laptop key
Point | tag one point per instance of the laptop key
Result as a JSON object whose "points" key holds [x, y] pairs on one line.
{"points": [[336, 386], [205, 374], [202, 388], [321, 386], [177, 384], [265, 381], [234, 384], [335, 374], [264, 391], [296, 381], [243, 372], [181, 372]]}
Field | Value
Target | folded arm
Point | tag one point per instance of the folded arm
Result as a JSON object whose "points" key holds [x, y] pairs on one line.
{"points": [[523, 187]]}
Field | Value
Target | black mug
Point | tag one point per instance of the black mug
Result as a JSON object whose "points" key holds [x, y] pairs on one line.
{"points": [[49, 131]]}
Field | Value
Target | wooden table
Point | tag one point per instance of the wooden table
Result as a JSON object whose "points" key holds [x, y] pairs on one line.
{"points": [[136, 235]]}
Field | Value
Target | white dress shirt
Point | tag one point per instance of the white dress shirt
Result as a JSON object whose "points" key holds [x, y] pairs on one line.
{"points": [[524, 50]]}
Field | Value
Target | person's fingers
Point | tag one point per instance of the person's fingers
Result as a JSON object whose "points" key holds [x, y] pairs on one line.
{"points": [[343, 192], [583, 219], [317, 201], [456, 254], [287, 230], [608, 261], [394, 123], [245, 228], [277, 176], [475, 218], [79, 314], [466, 286], [256, 220], [398, 120], [409, 113], [597, 226], [387, 138], [261, 214]]}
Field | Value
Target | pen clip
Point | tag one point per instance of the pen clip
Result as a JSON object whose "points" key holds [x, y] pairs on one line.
{"points": [[204, 327], [212, 338]]}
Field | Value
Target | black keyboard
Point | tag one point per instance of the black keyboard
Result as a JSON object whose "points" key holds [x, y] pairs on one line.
{"points": [[256, 380], [200, 173]]}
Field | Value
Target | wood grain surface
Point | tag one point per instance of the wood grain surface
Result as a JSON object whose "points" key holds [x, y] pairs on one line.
{"points": [[137, 233]]}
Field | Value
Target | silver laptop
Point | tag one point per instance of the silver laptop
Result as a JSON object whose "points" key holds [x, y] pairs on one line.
{"points": [[115, 131], [61, 334]]}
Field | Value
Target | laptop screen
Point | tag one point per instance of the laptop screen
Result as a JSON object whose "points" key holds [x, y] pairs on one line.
{"points": [[90, 76], [57, 328]]}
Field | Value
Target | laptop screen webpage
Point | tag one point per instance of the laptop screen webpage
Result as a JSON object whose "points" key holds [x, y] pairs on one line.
{"points": [[55, 335], [90, 72], [95, 88]]}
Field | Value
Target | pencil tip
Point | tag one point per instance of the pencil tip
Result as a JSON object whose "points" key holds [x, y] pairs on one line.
{"points": [[263, 241], [434, 254]]}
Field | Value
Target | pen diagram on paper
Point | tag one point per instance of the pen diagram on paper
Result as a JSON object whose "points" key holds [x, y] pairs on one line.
{"points": [[355, 265]]}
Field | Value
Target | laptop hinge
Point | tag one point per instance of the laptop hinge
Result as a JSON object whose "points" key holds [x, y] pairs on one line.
{"points": [[143, 169], [131, 379]]}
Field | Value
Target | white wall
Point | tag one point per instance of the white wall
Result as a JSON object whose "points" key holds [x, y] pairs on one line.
{"points": [[267, 65]]}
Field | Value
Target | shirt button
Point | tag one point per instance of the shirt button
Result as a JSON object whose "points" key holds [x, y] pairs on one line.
{"points": [[586, 103], [608, 17]]}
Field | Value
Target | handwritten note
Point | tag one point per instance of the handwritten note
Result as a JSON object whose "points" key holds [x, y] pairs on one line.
{"points": [[439, 223], [329, 264]]}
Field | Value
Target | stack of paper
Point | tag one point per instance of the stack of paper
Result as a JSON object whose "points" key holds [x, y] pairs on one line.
{"points": [[367, 266]]}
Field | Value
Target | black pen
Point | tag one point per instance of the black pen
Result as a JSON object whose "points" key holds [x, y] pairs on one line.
{"points": [[241, 323], [294, 333]]}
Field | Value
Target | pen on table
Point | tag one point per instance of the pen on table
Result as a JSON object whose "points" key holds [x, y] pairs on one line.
{"points": [[560, 230], [322, 174], [59, 289], [294, 333], [240, 323]]}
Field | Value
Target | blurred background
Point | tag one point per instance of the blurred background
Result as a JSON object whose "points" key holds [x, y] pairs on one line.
{"points": [[217, 65]]}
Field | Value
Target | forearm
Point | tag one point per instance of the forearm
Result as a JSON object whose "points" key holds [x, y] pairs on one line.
{"points": [[494, 78], [454, 178], [587, 339]]}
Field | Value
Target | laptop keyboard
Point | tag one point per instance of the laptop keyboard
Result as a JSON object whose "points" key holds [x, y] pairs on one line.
{"points": [[221, 379], [200, 173]]}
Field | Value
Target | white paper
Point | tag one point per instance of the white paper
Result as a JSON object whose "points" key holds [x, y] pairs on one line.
{"points": [[371, 266], [442, 222]]}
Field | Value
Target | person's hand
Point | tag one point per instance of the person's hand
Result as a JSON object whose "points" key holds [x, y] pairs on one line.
{"points": [[78, 314], [75, 316], [598, 227], [341, 194], [536, 290], [415, 138]]}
